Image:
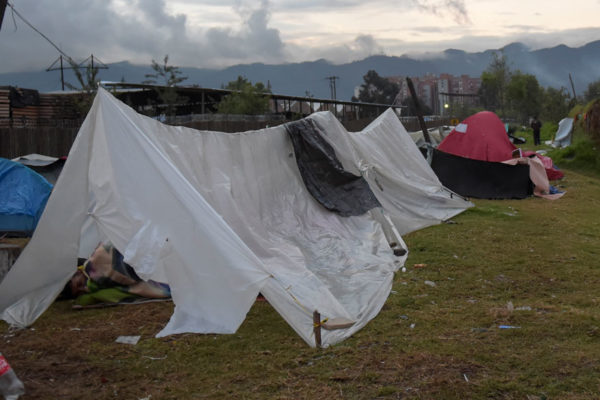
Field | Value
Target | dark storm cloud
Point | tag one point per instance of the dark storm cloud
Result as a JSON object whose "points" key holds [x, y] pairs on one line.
{"points": [[254, 41], [147, 31]]}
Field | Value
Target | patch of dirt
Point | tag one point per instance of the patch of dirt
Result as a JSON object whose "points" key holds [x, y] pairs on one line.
{"points": [[54, 362]]}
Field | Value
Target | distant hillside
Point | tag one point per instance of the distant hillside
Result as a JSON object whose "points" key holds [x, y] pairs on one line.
{"points": [[551, 66]]}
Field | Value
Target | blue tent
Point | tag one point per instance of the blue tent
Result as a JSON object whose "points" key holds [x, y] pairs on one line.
{"points": [[23, 196]]}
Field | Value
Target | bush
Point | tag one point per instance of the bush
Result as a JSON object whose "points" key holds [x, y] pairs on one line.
{"points": [[582, 155]]}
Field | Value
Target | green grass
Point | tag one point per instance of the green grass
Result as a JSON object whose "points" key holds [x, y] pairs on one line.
{"points": [[540, 255]]}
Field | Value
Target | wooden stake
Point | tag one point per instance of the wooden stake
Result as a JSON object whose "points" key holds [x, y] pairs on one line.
{"points": [[317, 328]]}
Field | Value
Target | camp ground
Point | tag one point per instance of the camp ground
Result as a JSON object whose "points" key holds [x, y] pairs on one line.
{"points": [[307, 214]]}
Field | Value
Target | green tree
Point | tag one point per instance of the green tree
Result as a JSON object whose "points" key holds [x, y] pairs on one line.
{"points": [[556, 104], [377, 89], [494, 80], [592, 92], [168, 77], [412, 110], [88, 81], [523, 96], [245, 98]]}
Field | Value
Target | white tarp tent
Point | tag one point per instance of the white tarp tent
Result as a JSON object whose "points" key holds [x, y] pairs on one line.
{"points": [[563, 135], [219, 217], [398, 174]]}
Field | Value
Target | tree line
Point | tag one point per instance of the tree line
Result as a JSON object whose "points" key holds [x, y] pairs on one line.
{"points": [[511, 94]]}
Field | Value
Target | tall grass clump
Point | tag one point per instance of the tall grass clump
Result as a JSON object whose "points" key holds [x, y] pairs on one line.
{"points": [[583, 154]]}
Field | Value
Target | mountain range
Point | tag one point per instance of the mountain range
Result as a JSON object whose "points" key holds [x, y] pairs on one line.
{"points": [[551, 66]]}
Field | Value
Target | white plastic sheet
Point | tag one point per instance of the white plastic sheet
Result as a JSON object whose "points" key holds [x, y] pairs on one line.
{"points": [[220, 217], [563, 135]]}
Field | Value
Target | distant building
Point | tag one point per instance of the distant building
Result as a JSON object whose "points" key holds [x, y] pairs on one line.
{"points": [[435, 91]]}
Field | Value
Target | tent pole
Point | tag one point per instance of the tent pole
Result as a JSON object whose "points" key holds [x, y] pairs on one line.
{"points": [[413, 94]]}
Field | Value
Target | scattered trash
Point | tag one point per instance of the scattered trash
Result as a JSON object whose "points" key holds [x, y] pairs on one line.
{"points": [[508, 327], [146, 398], [404, 316], [155, 358], [510, 307], [412, 326], [128, 339], [466, 379], [403, 269], [430, 283], [455, 256], [393, 292], [11, 386], [75, 329], [523, 308], [420, 265]]}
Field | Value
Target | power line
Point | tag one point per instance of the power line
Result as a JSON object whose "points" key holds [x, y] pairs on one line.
{"points": [[15, 12]]}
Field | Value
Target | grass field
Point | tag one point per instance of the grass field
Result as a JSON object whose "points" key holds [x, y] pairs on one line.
{"points": [[529, 264]]}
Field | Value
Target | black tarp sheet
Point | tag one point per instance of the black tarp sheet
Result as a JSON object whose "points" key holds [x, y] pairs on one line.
{"points": [[482, 179], [323, 174]]}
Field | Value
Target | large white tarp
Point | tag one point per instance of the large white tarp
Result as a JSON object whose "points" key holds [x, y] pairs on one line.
{"points": [[220, 217], [563, 135]]}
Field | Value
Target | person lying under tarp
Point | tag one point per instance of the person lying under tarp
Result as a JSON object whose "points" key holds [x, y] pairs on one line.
{"points": [[106, 278]]}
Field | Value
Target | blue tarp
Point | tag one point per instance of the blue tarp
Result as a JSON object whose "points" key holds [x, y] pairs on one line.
{"points": [[23, 196]]}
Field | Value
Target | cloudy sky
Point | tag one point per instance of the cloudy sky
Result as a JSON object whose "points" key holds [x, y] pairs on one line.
{"points": [[219, 33]]}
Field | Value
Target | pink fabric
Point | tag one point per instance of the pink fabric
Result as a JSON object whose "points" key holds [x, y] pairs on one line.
{"points": [[553, 173], [537, 174], [481, 136]]}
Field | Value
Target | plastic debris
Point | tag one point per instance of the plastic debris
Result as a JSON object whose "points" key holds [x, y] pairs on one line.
{"points": [[11, 387], [155, 358], [510, 307], [128, 339], [430, 283], [523, 308], [420, 265], [509, 327], [412, 326]]}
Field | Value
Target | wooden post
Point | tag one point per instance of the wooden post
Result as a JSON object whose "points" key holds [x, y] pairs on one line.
{"points": [[413, 93], [572, 87], [317, 328]]}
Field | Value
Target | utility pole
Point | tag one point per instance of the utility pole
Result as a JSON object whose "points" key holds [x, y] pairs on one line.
{"points": [[572, 87], [61, 67], [332, 80]]}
